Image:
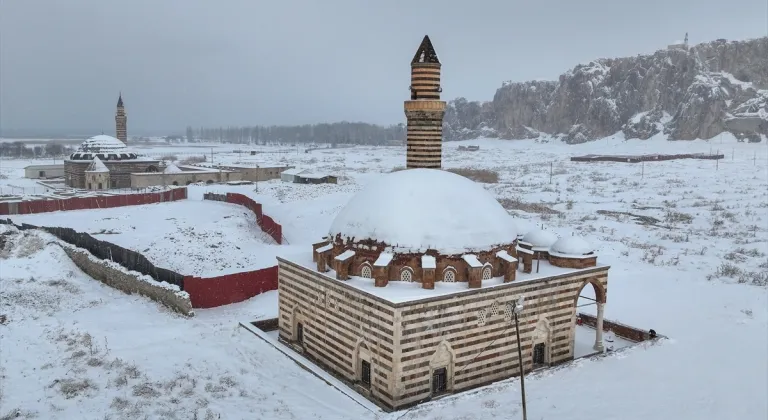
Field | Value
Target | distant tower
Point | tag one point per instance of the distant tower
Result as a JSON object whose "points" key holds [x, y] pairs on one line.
{"points": [[425, 110], [121, 121], [686, 40]]}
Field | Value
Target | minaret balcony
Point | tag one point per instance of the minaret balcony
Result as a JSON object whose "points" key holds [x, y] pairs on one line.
{"points": [[424, 105]]}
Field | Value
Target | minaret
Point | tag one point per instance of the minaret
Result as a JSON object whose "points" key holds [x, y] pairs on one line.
{"points": [[425, 110], [121, 121]]}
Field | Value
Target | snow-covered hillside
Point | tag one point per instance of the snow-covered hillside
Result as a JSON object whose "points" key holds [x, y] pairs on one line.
{"points": [[687, 242], [705, 89]]}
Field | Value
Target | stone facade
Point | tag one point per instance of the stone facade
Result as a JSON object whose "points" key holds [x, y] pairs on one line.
{"points": [[141, 180], [129, 282], [256, 174], [120, 171], [97, 180], [425, 111], [469, 333]]}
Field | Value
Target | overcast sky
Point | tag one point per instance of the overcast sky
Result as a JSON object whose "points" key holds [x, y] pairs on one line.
{"points": [[247, 62]]}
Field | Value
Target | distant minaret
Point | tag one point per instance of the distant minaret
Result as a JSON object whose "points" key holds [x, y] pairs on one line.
{"points": [[686, 40], [425, 110], [121, 121]]}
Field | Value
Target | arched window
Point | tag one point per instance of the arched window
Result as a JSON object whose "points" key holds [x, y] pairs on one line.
{"points": [[449, 275], [406, 274], [487, 273], [365, 271]]}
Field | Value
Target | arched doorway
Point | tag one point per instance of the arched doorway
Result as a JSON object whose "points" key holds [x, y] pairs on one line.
{"points": [[363, 363], [298, 327], [590, 300], [441, 369]]}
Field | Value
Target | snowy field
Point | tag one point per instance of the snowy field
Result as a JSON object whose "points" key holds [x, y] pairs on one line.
{"points": [[201, 238], [687, 242]]}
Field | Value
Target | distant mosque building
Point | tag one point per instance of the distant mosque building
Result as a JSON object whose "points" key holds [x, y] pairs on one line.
{"points": [[104, 162], [679, 45]]}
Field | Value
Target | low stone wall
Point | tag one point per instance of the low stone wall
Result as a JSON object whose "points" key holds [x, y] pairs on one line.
{"points": [[113, 275], [622, 330]]}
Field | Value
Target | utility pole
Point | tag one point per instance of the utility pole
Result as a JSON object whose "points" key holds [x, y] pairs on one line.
{"points": [[521, 364], [642, 170]]}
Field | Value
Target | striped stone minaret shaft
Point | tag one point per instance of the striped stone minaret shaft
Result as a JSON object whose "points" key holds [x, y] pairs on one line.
{"points": [[121, 121], [425, 110]]}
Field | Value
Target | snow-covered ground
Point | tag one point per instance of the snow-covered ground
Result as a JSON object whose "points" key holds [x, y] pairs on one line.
{"points": [[687, 242], [201, 238]]}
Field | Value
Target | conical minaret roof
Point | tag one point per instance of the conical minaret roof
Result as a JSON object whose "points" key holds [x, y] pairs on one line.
{"points": [[426, 52], [120, 100]]}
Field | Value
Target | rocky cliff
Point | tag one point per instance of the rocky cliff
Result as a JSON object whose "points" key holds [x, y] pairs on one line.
{"points": [[685, 92]]}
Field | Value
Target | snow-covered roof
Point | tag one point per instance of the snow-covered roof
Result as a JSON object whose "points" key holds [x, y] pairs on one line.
{"points": [[171, 168], [345, 255], [420, 209], [428, 261], [504, 255], [472, 260], [540, 239], [384, 259], [572, 246], [102, 144], [294, 171], [311, 175], [97, 166]]}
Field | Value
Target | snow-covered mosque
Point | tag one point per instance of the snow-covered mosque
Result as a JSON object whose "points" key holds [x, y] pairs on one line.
{"points": [[103, 162], [411, 293]]}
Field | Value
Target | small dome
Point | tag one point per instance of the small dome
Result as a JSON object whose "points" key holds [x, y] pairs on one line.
{"points": [[539, 238], [572, 245], [417, 209]]}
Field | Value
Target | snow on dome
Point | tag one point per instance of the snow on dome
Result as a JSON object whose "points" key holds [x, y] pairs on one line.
{"points": [[417, 209], [172, 169], [539, 238], [102, 144], [97, 166], [572, 245]]}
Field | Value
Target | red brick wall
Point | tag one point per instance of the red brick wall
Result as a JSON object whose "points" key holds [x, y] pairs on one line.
{"points": [[84, 203], [269, 226], [231, 288]]}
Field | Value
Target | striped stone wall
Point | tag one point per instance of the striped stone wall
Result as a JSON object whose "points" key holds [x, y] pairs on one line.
{"points": [[424, 113], [471, 333], [341, 328], [121, 125], [424, 133], [476, 331], [425, 80]]}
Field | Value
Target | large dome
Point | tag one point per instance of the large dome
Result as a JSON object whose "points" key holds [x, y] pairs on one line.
{"points": [[105, 147], [419, 209]]}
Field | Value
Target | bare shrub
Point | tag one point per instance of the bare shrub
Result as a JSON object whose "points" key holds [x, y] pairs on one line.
{"points": [[119, 403], [194, 159], [72, 388], [397, 169], [486, 176], [517, 204], [677, 217], [170, 158], [146, 390]]}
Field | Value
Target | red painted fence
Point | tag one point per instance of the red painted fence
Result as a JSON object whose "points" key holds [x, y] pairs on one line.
{"points": [[84, 203], [223, 290], [266, 223]]}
